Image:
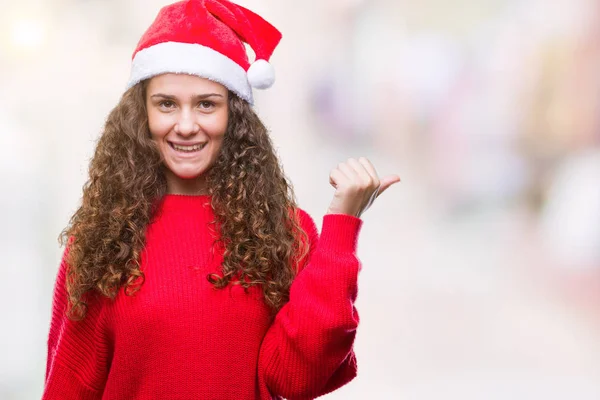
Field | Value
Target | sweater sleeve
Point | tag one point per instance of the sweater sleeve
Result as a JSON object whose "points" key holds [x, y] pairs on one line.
{"points": [[78, 351], [308, 350]]}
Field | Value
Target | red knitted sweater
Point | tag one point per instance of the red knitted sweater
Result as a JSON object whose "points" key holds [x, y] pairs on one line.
{"points": [[179, 338]]}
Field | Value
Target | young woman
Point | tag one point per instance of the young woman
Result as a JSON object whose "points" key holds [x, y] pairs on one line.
{"points": [[189, 271]]}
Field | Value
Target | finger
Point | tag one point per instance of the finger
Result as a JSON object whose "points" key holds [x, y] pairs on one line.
{"points": [[387, 182], [348, 171], [362, 172], [337, 177], [369, 167]]}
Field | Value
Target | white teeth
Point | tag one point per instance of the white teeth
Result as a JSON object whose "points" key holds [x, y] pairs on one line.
{"points": [[187, 148]]}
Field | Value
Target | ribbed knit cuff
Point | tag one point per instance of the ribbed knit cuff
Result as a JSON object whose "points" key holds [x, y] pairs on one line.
{"points": [[339, 233]]}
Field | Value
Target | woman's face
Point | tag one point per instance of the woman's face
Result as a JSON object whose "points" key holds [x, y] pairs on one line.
{"points": [[187, 116]]}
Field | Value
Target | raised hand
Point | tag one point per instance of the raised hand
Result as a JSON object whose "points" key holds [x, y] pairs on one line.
{"points": [[357, 185]]}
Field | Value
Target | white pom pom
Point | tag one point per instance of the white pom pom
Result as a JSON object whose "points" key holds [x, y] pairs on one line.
{"points": [[261, 74]]}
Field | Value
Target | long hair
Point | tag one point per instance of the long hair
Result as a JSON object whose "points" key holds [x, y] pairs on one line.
{"points": [[253, 202]]}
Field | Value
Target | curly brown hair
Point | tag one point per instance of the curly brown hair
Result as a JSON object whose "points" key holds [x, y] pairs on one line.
{"points": [[253, 203]]}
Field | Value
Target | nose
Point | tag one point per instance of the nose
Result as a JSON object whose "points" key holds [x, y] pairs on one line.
{"points": [[187, 125]]}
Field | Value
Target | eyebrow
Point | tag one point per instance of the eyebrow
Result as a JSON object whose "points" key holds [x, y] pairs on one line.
{"points": [[196, 97]]}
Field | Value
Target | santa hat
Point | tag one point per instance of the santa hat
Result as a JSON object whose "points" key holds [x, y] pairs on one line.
{"points": [[206, 38]]}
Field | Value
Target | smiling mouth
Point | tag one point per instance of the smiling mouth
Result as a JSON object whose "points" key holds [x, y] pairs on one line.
{"points": [[187, 149]]}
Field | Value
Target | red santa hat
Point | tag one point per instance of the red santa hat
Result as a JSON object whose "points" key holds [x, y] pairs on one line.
{"points": [[206, 38]]}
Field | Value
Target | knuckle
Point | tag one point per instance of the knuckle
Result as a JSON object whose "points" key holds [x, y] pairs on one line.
{"points": [[363, 185]]}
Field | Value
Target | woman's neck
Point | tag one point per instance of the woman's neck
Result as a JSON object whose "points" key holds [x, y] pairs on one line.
{"points": [[189, 187]]}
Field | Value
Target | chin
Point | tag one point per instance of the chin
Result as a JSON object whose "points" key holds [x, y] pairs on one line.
{"points": [[188, 175], [184, 173]]}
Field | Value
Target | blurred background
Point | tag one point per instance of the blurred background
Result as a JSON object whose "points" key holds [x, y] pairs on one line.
{"points": [[481, 269]]}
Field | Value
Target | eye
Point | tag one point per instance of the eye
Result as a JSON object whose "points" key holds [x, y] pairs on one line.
{"points": [[166, 104], [206, 105]]}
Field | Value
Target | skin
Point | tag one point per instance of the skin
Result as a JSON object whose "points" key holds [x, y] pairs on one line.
{"points": [[357, 185], [187, 110]]}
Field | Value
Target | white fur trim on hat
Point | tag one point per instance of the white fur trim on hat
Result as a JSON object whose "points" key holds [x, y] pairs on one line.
{"points": [[193, 59]]}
